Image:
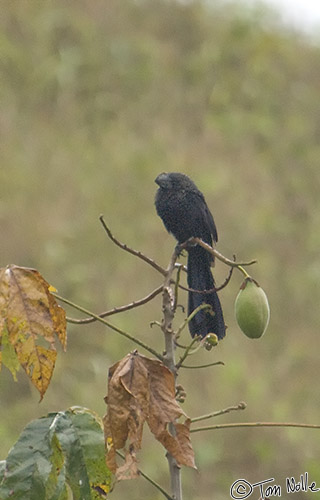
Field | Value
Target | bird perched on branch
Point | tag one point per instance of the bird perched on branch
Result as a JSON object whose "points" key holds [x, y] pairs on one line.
{"points": [[185, 214]]}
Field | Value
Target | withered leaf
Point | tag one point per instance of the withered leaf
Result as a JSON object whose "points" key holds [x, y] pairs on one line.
{"points": [[143, 390], [163, 410], [128, 403], [129, 470], [32, 319]]}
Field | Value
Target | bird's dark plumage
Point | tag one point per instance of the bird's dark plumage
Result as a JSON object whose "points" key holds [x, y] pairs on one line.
{"points": [[185, 214]]}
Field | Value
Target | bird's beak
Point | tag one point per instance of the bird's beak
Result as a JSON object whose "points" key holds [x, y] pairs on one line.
{"points": [[161, 179]]}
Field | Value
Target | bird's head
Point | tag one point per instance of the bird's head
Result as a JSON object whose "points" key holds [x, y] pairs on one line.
{"points": [[175, 181]]}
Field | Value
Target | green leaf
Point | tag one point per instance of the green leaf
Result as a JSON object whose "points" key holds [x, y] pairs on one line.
{"points": [[81, 436], [2, 469], [76, 473], [28, 463], [60, 450], [90, 433], [56, 488]]}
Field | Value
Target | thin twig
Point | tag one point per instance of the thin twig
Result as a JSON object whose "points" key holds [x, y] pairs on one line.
{"points": [[214, 289], [240, 406], [148, 478], [215, 253], [136, 253], [190, 317], [115, 310], [186, 352], [226, 281], [255, 424], [113, 327], [203, 366]]}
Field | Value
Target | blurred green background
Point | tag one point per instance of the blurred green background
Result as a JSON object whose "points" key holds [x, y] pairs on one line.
{"points": [[99, 97]]}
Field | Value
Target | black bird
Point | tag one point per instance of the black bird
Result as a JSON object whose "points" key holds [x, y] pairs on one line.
{"points": [[185, 214]]}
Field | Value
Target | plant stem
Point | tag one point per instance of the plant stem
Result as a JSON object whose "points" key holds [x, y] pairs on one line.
{"points": [[113, 327], [168, 307], [118, 309], [175, 473], [240, 406], [215, 363], [255, 424], [187, 351], [243, 271]]}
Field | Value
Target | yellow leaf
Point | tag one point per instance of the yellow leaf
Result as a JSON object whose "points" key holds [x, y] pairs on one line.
{"points": [[8, 355], [33, 320]]}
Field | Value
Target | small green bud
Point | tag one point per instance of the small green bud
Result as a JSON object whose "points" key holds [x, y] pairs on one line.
{"points": [[252, 309], [211, 340]]}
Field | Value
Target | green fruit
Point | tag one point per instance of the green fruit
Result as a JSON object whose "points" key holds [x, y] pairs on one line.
{"points": [[252, 309]]}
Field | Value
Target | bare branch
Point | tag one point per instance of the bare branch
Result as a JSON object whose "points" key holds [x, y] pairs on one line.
{"points": [[177, 284], [225, 283], [115, 310], [168, 308], [240, 406], [215, 253], [187, 352], [137, 253], [214, 289], [113, 327], [191, 316], [202, 366], [255, 424]]}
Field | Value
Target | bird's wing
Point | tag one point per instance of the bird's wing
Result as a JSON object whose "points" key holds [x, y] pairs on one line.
{"points": [[206, 228], [210, 223]]}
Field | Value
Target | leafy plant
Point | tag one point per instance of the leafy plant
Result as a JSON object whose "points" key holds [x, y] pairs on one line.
{"points": [[140, 390]]}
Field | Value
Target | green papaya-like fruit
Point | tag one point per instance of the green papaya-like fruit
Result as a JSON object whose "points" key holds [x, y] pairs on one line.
{"points": [[252, 309]]}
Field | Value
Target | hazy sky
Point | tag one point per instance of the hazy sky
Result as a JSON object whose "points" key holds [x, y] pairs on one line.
{"points": [[304, 14]]}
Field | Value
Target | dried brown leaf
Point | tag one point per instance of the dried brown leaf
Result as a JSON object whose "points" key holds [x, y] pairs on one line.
{"points": [[127, 410], [143, 390], [32, 318], [179, 446], [163, 410], [129, 470]]}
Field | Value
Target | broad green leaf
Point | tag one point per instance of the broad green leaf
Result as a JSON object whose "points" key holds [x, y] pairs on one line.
{"points": [[28, 464], [90, 432], [56, 487], [76, 473], [62, 450], [2, 469], [81, 436]]}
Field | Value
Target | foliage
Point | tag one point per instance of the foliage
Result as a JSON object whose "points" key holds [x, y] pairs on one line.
{"points": [[29, 313], [67, 453], [142, 390]]}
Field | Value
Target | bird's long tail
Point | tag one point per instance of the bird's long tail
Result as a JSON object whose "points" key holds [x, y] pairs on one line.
{"points": [[200, 278]]}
